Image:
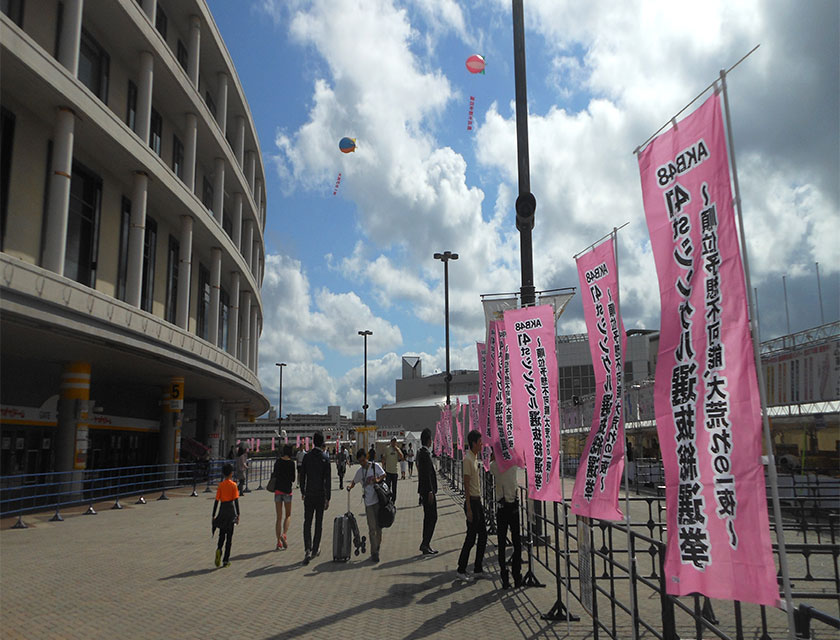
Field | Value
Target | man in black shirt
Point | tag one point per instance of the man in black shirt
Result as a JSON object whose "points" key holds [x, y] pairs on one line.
{"points": [[341, 465], [427, 488], [315, 491]]}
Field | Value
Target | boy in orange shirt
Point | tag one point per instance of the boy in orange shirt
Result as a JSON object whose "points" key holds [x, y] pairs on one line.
{"points": [[228, 494]]}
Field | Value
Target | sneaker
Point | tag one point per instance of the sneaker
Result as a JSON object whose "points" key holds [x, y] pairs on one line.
{"points": [[284, 541], [478, 574], [517, 581], [306, 559], [218, 557], [428, 551], [464, 577], [374, 558], [316, 553], [226, 564]]}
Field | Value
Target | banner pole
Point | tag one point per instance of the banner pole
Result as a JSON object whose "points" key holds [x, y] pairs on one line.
{"points": [[771, 460], [630, 559]]}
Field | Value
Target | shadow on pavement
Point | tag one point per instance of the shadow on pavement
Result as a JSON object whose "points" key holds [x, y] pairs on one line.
{"points": [[190, 574], [272, 569], [415, 558], [256, 554]]}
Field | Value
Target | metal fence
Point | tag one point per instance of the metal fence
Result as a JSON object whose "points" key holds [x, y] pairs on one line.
{"points": [[617, 577]]}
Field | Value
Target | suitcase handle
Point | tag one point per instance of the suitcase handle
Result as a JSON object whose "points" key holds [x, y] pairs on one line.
{"points": [[348, 501]]}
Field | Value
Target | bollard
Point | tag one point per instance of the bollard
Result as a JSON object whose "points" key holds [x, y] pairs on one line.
{"points": [[141, 500], [90, 510], [163, 495], [117, 504], [57, 517], [20, 524]]}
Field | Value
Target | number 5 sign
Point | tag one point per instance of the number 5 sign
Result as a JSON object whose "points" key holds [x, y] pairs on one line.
{"points": [[176, 394]]}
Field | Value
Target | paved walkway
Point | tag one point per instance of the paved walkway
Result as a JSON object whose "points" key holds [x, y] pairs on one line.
{"points": [[147, 572]]}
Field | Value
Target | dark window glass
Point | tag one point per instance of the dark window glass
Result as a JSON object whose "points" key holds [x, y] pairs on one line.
{"points": [[13, 9], [172, 279], [7, 134], [122, 268], [203, 301], [83, 226], [211, 104], [160, 21], [183, 55], [147, 293], [207, 194], [224, 318], [177, 157], [227, 224], [155, 130], [131, 109], [93, 66]]}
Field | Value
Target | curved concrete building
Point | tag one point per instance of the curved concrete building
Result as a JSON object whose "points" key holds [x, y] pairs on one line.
{"points": [[133, 210]]}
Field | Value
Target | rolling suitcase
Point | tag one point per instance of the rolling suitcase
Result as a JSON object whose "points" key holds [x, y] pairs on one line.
{"points": [[345, 533]]}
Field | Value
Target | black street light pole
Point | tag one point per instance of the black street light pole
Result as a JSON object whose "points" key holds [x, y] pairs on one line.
{"points": [[445, 257], [280, 398], [365, 335]]}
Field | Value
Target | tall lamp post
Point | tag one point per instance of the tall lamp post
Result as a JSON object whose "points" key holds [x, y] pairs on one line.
{"points": [[445, 257], [365, 335], [280, 365]]}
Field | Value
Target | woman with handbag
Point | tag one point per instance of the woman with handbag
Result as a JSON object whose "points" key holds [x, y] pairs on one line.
{"points": [[283, 478]]}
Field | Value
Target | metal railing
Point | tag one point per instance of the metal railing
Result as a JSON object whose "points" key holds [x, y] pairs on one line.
{"points": [[618, 577]]}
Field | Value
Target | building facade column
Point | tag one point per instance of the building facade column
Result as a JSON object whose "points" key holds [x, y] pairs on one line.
{"points": [[136, 239], [239, 142], [237, 221], [70, 36], [73, 405], [248, 241], [255, 337], [145, 84], [184, 272], [150, 9], [245, 344], [250, 163], [190, 151], [213, 426], [215, 289], [55, 241], [218, 189], [221, 102], [194, 49], [233, 323], [258, 192]]}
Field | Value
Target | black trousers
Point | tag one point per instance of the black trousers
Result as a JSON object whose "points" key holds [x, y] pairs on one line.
{"points": [[391, 479], [340, 478], [429, 519], [475, 529], [507, 516], [313, 505], [226, 538]]}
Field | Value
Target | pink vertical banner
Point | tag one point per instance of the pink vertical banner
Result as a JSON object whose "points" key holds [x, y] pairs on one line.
{"points": [[459, 427], [286, 439], [297, 441], [446, 425], [475, 411], [437, 446], [306, 443], [708, 411], [482, 423], [272, 443], [258, 444], [533, 392], [599, 473], [502, 437], [485, 457]]}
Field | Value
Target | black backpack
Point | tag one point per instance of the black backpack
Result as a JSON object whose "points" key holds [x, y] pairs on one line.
{"points": [[387, 509]]}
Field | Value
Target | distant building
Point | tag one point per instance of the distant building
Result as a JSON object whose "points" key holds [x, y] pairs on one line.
{"points": [[332, 424], [419, 399]]}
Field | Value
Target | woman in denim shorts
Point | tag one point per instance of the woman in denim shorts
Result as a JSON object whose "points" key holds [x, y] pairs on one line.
{"points": [[284, 472]]}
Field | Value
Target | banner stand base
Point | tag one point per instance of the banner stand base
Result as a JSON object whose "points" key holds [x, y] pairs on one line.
{"points": [[530, 580], [559, 613]]}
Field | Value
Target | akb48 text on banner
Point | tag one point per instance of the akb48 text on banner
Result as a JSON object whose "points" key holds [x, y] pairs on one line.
{"points": [[533, 384], [708, 412], [598, 477]]}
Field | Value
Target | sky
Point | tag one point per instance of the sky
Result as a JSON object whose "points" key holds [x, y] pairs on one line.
{"points": [[602, 77]]}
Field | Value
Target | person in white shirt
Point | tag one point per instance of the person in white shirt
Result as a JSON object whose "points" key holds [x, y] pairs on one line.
{"points": [[476, 528], [366, 475], [507, 516]]}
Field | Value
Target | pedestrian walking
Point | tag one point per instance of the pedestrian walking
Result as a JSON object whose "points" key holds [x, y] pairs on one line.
{"points": [[403, 467], [241, 468], [372, 453], [474, 511], [507, 518], [315, 490], [284, 474], [299, 459], [410, 457], [341, 465], [227, 502], [392, 457], [369, 473], [427, 488]]}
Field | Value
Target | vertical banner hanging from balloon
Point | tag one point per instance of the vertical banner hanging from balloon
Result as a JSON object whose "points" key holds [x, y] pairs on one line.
{"points": [[598, 478], [337, 184], [470, 114], [708, 413], [533, 392], [503, 437]]}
